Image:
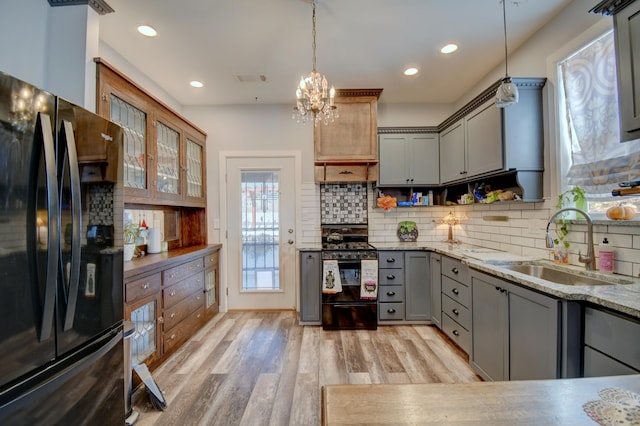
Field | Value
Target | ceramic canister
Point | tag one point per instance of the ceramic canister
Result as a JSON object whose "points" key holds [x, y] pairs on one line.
{"points": [[154, 240]]}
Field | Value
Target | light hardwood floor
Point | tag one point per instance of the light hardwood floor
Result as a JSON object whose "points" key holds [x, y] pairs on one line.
{"points": [[262, 368]]}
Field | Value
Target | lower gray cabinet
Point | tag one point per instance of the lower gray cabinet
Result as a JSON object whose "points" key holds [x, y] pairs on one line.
{"points": [[310, 287], [515, 331], [417, 286], [436, 289]]}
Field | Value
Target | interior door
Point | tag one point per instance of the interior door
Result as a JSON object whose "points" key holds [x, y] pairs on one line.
{"points": [[261, 233]]}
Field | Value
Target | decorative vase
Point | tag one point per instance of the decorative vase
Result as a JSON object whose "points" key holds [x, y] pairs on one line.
{"points": [[407, 231], [129, 250], [561, 255]]}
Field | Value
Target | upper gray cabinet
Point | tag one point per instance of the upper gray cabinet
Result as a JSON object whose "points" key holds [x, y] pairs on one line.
{"points": [[408, 159], [626, 20], [452, 153]]}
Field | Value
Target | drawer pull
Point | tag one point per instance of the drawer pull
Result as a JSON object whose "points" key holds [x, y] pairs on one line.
{"points": [[390, 260], [455, 270], [391, 277], [173, 336], [145, 286], [391, 293], [172, 275], [455, 312], [455, 291], [161, 320], [456, 332], [391, 311], [198, 316], [173, 315], [211, 259], [173, 293]]}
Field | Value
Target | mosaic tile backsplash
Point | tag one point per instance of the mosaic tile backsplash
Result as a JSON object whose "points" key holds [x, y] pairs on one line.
{"points": [[101, 204], [344, 203]]}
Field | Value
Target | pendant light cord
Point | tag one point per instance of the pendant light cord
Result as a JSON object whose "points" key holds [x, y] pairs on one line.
{"points": [[504, 19], [313, 34]]}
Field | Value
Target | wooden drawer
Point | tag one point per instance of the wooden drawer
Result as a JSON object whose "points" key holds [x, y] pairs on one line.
{"points": [[210, 260], [346, 173], [178, 312], [457, 291], [178, 273], [388, 276], [175, 293], [613, 335], [391, 293], [391, 259], [455, 269], [142, 287], [456, 312], [183, 331], [456, 333], [391, 311]]}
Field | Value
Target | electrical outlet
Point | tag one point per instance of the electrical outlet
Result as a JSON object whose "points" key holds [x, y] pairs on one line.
{"points": [[216, 223], [90, 285]]}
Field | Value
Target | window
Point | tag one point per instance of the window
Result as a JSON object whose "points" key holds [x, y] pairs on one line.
{"points": [[589, 132]]}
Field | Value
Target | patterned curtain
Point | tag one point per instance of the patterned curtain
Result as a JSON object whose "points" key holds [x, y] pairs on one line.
{"points": [[598, 160]]}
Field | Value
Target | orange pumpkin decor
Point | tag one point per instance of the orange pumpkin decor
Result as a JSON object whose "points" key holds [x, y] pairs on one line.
{"points": [[621, 212], [387, 202]]}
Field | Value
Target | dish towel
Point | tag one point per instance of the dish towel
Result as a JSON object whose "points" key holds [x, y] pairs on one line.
{"points": [[368, 279], [331, 282]]}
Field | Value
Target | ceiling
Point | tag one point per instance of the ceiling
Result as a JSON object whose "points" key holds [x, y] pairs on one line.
{"points": [[360, 44]]}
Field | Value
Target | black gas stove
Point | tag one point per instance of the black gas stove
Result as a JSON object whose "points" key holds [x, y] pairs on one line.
{"points": [[349, 242]]}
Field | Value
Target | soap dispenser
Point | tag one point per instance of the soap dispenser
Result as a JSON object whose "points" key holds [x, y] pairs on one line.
{"points": [[606, 257]]}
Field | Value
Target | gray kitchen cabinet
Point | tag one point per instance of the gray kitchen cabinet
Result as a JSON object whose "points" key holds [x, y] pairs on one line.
{"points": [[409, 160], [310, 287], [515, 331], [436, 289], [483, 149], [452, 153], [404, 293], [626, 21], [456, 302], [610, 343]]}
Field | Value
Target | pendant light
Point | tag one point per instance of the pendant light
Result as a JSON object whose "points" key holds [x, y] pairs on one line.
{"points": [[507, 93]]}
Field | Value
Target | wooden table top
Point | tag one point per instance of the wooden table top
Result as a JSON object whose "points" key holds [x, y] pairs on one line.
{"points": [[536, 402]]}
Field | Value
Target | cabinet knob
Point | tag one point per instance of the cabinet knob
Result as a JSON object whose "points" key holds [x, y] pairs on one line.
{"points": [[391, 293], [161, 320], [455, 270], [198, 316], [455, 312], [456, 332], [197, 297], [391, 311], [391, 277], [173, 293], [390, 260], [145, 286], [455, 291], [173, 336], [173, 315], [171, 275]]}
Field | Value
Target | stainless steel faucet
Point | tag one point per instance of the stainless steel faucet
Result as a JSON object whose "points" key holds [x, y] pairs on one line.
{"points": [[590, 260]]}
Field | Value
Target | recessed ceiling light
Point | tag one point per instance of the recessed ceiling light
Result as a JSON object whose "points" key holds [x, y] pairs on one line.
{"points": [[147, 31], [196, 83], [449, 48], [411, 71]]}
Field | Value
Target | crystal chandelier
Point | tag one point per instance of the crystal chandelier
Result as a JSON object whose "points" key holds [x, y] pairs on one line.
{"points": [[314, 98], [507, 94]]}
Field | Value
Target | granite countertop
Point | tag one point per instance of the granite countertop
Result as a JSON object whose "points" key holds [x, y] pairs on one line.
{"points": [[622, 296]]}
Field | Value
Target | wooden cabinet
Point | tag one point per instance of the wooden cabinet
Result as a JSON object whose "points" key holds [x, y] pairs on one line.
{"points": [[626, 21], [408, 160], [436, 289], [351, 140], [404, 293], [515, 331], [164, 154], [610, 343], [456, 302], [310, 287], [211, 283], [166, 297]]}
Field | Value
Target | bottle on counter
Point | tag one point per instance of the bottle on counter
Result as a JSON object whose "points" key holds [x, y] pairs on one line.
{"points": [[605, 253]]}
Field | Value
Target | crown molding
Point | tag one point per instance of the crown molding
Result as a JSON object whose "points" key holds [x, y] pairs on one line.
{"points": [[610, 7], [405, 130], [99, 6], [358, 92]]}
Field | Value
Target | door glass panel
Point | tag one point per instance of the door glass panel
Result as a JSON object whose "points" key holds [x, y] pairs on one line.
{"points": [[143, 340], [260, 230], [168, 166], [194, 169], [134, 123]]}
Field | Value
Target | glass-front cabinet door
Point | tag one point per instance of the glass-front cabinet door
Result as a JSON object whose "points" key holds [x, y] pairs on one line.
{"points": [[168, 154], [195, 169]]}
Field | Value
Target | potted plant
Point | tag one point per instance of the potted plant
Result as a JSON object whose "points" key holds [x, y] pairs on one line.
{"points": [[576, 197], [407, 231], [131, 233]]}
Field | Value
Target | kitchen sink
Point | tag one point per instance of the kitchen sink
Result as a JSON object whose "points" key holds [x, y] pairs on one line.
{"points": [[559, 277]]}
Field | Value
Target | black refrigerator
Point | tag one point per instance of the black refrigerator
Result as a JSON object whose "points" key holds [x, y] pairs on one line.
{"points": [[61, 280]]}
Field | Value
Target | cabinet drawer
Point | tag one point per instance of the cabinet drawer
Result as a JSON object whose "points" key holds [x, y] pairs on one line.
{"points": [[391, 293], [456, 333], [175, 293], [210, 260], [346, 173], [457, 291], [183, 331], [457, 312], [388, 276], [176, 313], [455, 269], [142, 287], [391, 311], [598, 365], [177, 273], [613, 335], [391, 259]]}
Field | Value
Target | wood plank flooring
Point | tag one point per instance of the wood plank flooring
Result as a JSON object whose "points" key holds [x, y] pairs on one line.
{"points": [[263, 368]]}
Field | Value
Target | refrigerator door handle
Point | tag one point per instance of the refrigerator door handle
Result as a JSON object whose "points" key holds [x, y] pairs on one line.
{"points": [[45, 133], [66, 132]]}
